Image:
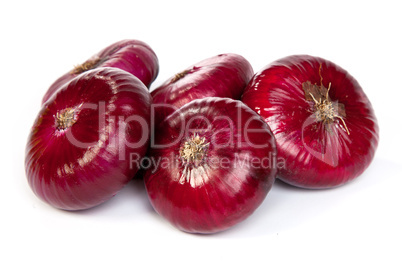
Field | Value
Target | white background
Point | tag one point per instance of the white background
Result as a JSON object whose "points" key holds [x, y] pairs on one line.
{"points": [[358, 224]]}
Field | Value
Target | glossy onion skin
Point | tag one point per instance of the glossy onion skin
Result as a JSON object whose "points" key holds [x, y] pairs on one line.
{"points": [[224, 75], [213, 196], [86, 164], [316, 154], [133, 56]]}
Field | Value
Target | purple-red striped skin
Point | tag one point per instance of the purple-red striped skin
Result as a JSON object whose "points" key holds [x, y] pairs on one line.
{"points": [[224, 75], [227, 185], [133, 56], [86, 162], [317, 154]]}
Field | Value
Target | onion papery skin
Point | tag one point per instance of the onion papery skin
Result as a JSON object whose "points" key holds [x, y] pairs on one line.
{"points": [[226, 186], [87, 163], [317, 154], [133, 56], [224, 75]]}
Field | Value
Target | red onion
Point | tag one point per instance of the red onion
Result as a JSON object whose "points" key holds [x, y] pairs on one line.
{"points": [[213, 163], [324, 124], [133, 56], [80, 145], [224, 75]]}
